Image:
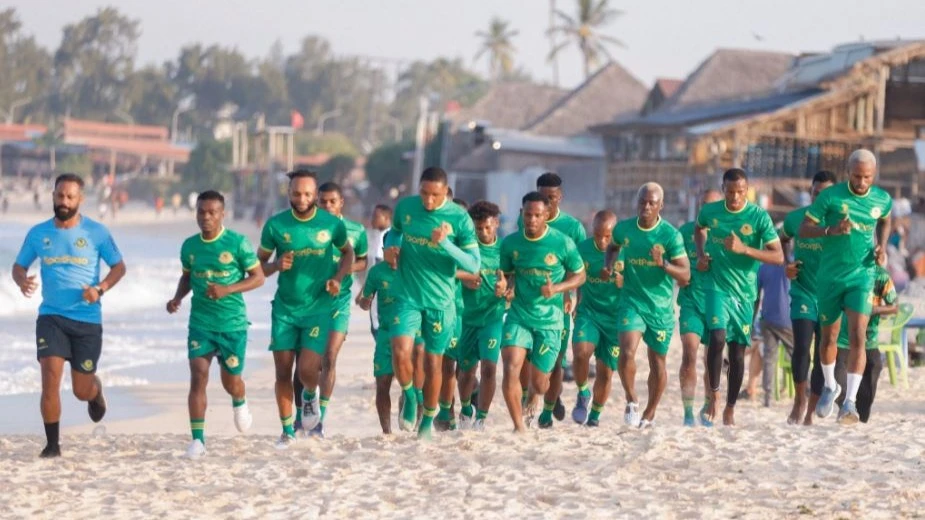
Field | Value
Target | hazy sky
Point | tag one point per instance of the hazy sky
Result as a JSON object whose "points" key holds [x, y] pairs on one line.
{"points": [[664, 38]]}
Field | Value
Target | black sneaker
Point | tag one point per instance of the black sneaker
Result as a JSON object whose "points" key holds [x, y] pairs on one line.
{"points": [[51, 452], [559, 411], [97, 407]]}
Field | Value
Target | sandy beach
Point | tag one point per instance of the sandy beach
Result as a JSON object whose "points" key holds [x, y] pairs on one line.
{"points": [[131, 465]]}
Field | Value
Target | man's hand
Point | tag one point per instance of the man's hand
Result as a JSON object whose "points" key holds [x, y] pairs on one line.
{"points": [[842, 228], [216, 292], [363, 303], [28, 286], [438, 234], [332, 286], [703, 263], [658, 256], [91, 294], [793, 269], [473, 284], [390, 255], [500, 283], [734, 244], [548, 290], [880, 256], [567, 303], [284, 261], [173, 306], [606, 272], [509, 295]]}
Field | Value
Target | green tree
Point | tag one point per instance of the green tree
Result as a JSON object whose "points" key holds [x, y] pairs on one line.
{"points": [[584, 30], [337, 168], [207, 168], [151, 96], [442, 80], [496, 43], [307, 143], [386, 166], [25, 69]]}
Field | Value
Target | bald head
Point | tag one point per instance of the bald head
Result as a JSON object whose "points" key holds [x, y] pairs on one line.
{"points": [[604, 218], [602, 228], [711, 195]]}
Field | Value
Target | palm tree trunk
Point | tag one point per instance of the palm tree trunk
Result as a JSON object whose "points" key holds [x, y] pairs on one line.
{"points": [[585, 52]]}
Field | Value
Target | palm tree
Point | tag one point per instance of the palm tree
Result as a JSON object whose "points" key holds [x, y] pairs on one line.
{"points": [[497, 43], [584, 30]]}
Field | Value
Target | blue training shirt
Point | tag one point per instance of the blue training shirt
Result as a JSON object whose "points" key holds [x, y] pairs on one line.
{"points": [[69, 260]]}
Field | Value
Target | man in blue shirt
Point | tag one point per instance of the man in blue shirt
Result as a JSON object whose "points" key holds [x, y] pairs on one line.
{"points": [[69, 248], [774, 323]]}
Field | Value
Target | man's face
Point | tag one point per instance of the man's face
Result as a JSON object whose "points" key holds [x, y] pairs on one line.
{"points": [[487, 230], [381, 219], [555, 197], [817, 189], [433, 194], [332, 202], [603, 233], [736, 194], [650, 204], [68, 197], [535, 216], [209, 215], [861, 177], [302, 192]]}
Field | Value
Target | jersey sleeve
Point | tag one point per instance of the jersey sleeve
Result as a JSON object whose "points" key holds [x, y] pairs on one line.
{"points": [[28, 252], [818, 208], [580, 233], [184, 257], [465, 234], [267, 240], [372, 281], [787, 231], [766, 229], [571, 258], [107, 247], [507, 261], [339, 236], [675, 246], [617, 235], [887, 207], [703, 220], [361, 249], [397, 216], [247, 257]]}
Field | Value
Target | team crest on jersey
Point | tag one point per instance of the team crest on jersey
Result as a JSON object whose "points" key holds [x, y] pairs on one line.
{"points": [[192, 258], [844, 208], [46, 242], [407, 219], [550, 259], [746, 229], [587, 266], [626, 241], [804, 309], [287, 238], [225, 257], [516, 255], [385, 285], [618, 266], [715, 222], [232, 361], [876, 212], [81, 242], [87, 365], [323, 236]]}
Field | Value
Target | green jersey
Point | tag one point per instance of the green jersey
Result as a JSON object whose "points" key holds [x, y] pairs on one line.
{"points": [[356, 235], [731, 273], [645, 284], [806, 251], [301, 290], [599, 296], [883, 294], [381, 280], [224, 260], [564, 223], [851, 254], [481, 306], [426, 272], [692, 295], [531, 260]]}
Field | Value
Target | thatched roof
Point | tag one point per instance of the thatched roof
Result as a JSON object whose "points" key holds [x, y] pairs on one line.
{"points": [[511, 105]]}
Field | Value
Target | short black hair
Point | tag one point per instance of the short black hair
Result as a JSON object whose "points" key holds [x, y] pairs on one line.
{"points": [[735, 174], [483, 210], [210, 195], [329, 186], [383, 208], [70, 177], [549, 180], [434, 174], [824, 176], [449, 192], [534, 196], [301, 174], [460, 202]]}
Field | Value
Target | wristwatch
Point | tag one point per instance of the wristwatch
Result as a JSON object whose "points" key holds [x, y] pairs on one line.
{"points": [[99, 290]]}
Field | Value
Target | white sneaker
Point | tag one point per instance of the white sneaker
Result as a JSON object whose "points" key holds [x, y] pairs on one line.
{"points": [[646, 424], [529, 414], [631, 416], [465, 421], [284, 442], [478, 425], [311, 415], [243, 418], [196, 449]]}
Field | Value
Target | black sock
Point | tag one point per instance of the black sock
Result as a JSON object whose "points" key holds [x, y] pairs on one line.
{"points": [[51, 433]]}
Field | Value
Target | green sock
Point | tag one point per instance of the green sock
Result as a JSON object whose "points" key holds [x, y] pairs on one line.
{"points": [[198, 427], [466, 409], [427, 422], [546, 414], [595, 412], [237, 403], [323, 402], [445, 414], [525, 394], [411, 404], [481, 414], [419, 394], [298, 414], [288, 427], [688, 407], [584, 389]]}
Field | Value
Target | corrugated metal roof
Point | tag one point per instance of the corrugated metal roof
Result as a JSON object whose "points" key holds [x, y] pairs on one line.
{"points": [[584, 146]]}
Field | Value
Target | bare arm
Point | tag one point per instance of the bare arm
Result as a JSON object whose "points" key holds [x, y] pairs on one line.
{"points": [[679, 269], [116, 272], [345, 265], [884, 310], [786, 245], [572, 281], [771, 253], [700, 241], [253, 280], [26, 283], [360, 264], [467, 277], [269, 268], [183, 288]]}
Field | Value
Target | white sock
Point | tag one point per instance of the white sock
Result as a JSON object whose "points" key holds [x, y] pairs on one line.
{"points": [[828, 371], [854, 382]]}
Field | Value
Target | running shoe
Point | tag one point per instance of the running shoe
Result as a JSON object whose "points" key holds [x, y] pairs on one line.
{"points": [[826, 404], [243, 418], [559, 411], [97, 407], [51, 452], [631, 416], [580, 412], [311, 416], [317, 431], [848, 413], [196, 449], [285, 441]]}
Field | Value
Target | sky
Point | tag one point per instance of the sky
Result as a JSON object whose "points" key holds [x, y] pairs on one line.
{"points": [[664, 38]]}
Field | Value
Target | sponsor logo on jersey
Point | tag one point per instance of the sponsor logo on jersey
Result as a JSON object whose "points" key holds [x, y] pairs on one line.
{"points": [[81, 242]]}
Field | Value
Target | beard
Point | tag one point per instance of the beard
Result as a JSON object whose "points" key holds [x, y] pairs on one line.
{"points": [[63, 213], [307, 210]]}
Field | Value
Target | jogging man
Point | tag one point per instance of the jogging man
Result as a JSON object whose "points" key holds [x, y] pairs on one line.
{"points": [[214, 265], [446, 418], [69, 328]]}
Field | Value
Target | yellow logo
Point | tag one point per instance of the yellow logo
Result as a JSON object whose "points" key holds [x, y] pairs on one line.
{"points": [[232, 361], [453, 342], [287, 238], [661, 336], [508, 335], [396, 321], [407, 219], [618, 266], [550, 259], [823, 318], [715, 223], [746, 328], [385, 285], [581, 333], [46, 242], [626, 321], [544, 349], [225, 257], [587, 266], [194, 344], [804, 309], [515, 254], [87, 365], [438, 327], [714, 320], [876, 212], [615, 351], [844, 208], [81, 242], [323, 236], [315, 332], [626, 241], [192, 259], [746, 229]]}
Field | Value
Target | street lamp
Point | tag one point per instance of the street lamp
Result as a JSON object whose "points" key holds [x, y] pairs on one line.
{"points": [[324, 117]]}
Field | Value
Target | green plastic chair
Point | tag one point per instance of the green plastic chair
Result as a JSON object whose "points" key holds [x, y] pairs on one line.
{"points": [[784, 376], [893, 349]]}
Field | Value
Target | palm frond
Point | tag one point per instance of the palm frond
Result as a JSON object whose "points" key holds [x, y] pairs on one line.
{"points": [[558, 48], [611, 40]]}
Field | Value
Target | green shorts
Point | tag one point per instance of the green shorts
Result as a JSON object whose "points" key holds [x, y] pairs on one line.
{"points": [[542, 345], [692, 321], [606, 341], [454, 352], [340, 318], [726, 312], [803, 306], [308, 333], [655, 333], [480, 344], [854, 294], [382, 355], [436, 327], [230, 347]]}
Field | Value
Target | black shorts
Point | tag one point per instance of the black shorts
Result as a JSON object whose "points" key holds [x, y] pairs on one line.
{"points": [[76, 341]]}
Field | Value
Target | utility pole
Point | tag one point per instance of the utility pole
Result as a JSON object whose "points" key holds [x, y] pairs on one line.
{"points": [[420, 136], [552, 43]]}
